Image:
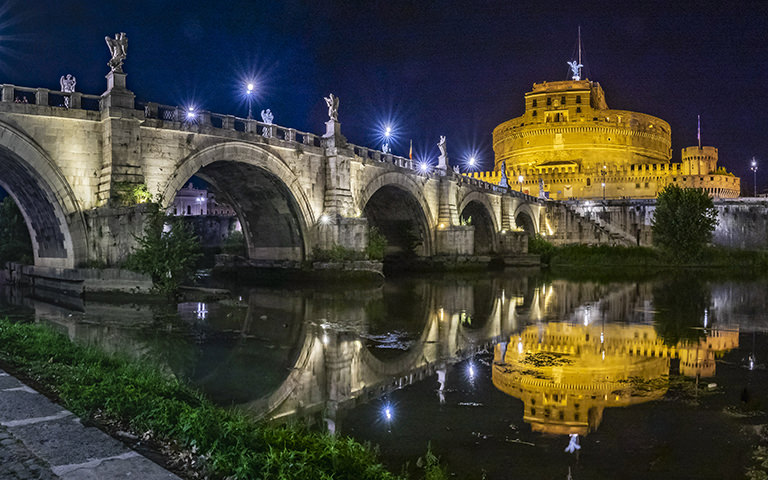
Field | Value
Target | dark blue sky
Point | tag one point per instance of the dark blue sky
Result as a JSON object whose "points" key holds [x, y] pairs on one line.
{"points": [[430, 67]]}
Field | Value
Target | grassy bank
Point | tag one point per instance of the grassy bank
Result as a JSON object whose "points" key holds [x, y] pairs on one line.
{"points": [[646, 258], [137, 397]]}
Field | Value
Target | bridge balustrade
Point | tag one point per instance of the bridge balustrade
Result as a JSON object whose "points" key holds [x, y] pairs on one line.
{"points": [[50, 98], [169, 113]]}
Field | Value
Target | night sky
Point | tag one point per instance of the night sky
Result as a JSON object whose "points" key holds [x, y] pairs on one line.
{"points": [[427, 67]]}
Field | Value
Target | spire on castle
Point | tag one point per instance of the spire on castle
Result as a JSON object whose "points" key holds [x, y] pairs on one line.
{"points": [[576, 65]]}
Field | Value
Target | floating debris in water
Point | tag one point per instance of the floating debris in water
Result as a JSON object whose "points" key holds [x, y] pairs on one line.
{"points": [[470, 404]]}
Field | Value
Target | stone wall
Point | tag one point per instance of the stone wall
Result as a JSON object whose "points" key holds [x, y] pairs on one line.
{"points": [[742, 224]]}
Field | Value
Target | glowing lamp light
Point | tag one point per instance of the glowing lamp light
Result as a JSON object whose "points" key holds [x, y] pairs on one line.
{"points": [[472, 161], [325, 219], [249, 88], [388, 414], [471, 371], [388, 131], [191, 114], [520, 346], [423, 167]]}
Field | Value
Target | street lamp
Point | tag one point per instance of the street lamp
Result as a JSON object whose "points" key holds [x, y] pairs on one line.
{"points": [[754, 173], [387, 133], [249, 96], [604, 172], [520, 180]]}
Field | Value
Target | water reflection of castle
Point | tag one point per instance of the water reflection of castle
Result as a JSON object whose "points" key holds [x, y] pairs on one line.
{"points": [[566, 374]]}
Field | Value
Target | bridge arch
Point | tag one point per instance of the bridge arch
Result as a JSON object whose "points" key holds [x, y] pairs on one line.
{"points": [[526, 219], [51, 211], [265, 193], [476, 206], [393, 199]]}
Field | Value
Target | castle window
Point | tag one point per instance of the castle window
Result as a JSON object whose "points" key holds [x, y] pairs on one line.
{"points": [[549, 100], [578, 98], [189, 209], [711, 178], [534, 113], [533, 104], [578, 109], [637, 185], [588, 182], [562, 100]]}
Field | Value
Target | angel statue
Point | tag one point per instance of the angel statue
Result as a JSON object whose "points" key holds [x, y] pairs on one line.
{"points": [[67, 85], [267, 116], [441, 146], [333, 107], [118, 47], [575, 69]]}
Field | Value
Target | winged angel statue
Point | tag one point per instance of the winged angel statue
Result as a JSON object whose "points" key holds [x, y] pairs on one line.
{"points": [[118, 47], [333, 107]]}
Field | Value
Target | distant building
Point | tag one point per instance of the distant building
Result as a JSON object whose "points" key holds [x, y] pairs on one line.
{"points": [[198, 201], [569, 144]]}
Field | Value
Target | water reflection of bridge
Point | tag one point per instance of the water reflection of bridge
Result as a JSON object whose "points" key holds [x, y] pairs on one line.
{"points": [[287, 353], [566, 374]]}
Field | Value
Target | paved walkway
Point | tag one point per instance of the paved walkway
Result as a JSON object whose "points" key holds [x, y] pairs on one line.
{"points": [[41, 440]]}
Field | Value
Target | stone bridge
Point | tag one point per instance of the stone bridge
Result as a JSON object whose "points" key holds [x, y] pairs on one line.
{"points": [[72, 170]]}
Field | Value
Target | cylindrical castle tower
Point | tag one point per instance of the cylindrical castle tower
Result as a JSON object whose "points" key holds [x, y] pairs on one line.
{"points": [[699, 160], [567, 126]]}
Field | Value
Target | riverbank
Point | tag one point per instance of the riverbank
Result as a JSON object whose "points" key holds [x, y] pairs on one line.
{"points": [[648, 259], [125, 395]]}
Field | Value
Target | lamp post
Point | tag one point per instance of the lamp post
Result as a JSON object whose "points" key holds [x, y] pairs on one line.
{"points": [[249, 96], [387, 133], [754, 174], [520, 180], [604, 172]]}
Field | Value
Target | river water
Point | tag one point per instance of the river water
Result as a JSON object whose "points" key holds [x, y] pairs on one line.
{"points": [[507, 375]]}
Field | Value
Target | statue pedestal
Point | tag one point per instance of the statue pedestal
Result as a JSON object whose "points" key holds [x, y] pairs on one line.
{"points": [[333, 136], [117, 95], [442, 162]]}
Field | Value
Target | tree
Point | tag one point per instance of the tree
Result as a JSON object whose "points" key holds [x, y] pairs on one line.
{"points": [[15, 244], [168, 255], [683, 222]]}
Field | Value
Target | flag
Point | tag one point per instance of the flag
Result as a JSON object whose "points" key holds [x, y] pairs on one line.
{"points": [[410, 152], [698, 133]]}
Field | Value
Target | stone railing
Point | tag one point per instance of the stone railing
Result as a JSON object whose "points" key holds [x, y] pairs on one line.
{"points": [[50, 98], [168, 113], [180, 116]]}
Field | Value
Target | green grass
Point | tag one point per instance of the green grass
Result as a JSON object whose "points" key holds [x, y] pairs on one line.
{"points": [[726, 260], [141, 398]]}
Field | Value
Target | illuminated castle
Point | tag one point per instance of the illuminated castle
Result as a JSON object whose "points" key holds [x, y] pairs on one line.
{"points": [[569, 144], [567, 374]]}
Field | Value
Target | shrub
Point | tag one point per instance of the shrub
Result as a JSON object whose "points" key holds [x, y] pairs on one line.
{"points": [[168, 256], [377, 244]]}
